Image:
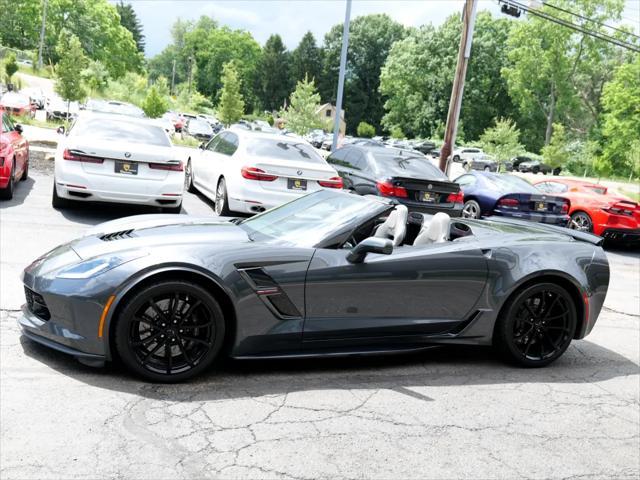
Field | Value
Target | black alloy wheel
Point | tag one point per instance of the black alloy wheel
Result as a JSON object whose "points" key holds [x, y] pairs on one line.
{"points": [[170, 331], [537, 325]]}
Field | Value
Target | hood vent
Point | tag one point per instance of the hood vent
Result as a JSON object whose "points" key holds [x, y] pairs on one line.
{"points": [[110, 237]]}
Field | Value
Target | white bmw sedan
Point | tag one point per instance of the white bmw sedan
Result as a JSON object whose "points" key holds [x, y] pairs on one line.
{"points": [[116, 158], [250, 172]]}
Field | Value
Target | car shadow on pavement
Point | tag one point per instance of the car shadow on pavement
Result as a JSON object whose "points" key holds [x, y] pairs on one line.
{"points": [[584, 362], [20, 192]]}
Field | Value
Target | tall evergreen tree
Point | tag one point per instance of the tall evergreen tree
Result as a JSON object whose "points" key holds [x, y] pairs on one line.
{"points": [[129, 20], [275, 73], [306, 59]]}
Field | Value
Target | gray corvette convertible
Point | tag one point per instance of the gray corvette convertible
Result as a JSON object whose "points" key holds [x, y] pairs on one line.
{"points": [[328, 274]]}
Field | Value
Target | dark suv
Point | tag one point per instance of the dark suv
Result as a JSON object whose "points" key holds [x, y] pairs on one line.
{"points": [[404, 175]]}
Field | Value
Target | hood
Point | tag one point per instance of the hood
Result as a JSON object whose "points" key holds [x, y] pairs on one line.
{"points": [[146, 231]]}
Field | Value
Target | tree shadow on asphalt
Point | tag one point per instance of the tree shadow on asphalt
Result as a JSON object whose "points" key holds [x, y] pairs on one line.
{"points": [[584, 362]]}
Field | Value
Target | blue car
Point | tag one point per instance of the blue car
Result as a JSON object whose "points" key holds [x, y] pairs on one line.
{"points": [[487, 193]]}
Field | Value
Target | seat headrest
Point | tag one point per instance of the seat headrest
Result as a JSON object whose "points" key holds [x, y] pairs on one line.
{"points": [[437, 231], [395, 226]]}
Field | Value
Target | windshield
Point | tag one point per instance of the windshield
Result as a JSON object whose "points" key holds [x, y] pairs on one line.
{"points": [[392, 163], [283, 150], [200, 126], [510, 184], [121, 131], [307, 221]]}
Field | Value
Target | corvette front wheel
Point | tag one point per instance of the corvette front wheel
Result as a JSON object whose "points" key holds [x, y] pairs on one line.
{"points": [[169, 331], [536, 326]]}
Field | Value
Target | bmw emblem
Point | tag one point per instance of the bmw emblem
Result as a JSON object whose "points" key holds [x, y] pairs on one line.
{"points": [[299, 172], [430, 187], [127, 154]]}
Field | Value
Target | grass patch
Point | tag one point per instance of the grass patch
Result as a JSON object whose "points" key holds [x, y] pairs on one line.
{"points": [[185, 141]]}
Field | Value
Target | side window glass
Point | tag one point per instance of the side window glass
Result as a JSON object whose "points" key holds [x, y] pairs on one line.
{"points": [[7, 123], [228, 144], [353, 160], [211, 146], [338, 157]]}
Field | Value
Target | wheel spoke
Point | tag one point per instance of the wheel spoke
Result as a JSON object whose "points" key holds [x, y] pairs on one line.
{"points": [[191, 327], [548, 311], [146, 340], [150, 353], [528, 345], [185, 354], [195, 339], [158, 310], [190, 311], [168, 356]]}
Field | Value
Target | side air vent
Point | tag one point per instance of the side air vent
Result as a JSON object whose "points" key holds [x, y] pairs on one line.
{"points": [[270, 293], [110, 237]]}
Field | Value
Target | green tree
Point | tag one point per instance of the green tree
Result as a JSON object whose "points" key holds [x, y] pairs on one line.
{"points": [[20, 22], [129, 20], [154, 105], [370, 40], [275, 75], [96, 77], [366, 130], [418, 75], [301, 116], [69, 85], [396, 132], [621, 119], [306, 59], [552, 69], [10, 66], [174, 59], [231, 106], [556, 153], [502, 140]]}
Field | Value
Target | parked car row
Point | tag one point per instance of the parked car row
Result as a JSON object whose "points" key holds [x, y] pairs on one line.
{"points": [[14, 156]]}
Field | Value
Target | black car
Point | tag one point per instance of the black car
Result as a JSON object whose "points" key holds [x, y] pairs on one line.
{"points": [[327, 274], [404, 175], [536, 166], [199, 129], [424, 146]]}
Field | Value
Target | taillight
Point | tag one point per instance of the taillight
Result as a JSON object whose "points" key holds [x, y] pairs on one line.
{"points": [[253, 173], [174, 167], [455, 198], [622, 208], [508, 203], [387, 189], [333, 182], [78, 157], [564, 208]]}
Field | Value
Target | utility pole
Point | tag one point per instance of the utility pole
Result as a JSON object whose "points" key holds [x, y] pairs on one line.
{"points": [[468, 22], [190, 70], [173, 76], [343, 65], [42, 30]]}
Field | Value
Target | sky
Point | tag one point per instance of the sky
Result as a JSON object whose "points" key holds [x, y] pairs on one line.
{"points": [[293, 18]]}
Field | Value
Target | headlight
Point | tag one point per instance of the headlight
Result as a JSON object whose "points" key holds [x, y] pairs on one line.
{"points": [[96, 266]]}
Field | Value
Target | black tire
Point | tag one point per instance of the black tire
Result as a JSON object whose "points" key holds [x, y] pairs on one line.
{"points": [[556, 171], [456, 158], [176, 210], [536, 325], [221, 205], [25, 172], [488, 169], [471, 209], [581, 221], [180, 308], [188, 173], [56, 201], [466, 166], [535, 170], [6, 193]]}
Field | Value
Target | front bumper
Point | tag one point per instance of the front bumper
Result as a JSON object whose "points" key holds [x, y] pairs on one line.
{"points": [[57, 336]]}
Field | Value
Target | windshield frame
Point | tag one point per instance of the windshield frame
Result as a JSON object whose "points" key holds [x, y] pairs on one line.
{"points": [[336, 236]]}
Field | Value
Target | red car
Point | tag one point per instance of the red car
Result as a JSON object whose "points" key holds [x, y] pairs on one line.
{"points": [[594, 209], [17, 104], [14, 156]]}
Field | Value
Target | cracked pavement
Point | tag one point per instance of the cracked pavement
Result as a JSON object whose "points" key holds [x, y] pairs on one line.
{"points": [[444, 413]]}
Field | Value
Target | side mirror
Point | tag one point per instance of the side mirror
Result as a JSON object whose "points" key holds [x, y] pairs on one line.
{"points": [[61, 130], [383, 246], [18, 128]]}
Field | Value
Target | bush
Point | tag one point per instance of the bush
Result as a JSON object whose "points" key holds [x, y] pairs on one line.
{"points": [[396, 132], [10, 66], [366, 130]]}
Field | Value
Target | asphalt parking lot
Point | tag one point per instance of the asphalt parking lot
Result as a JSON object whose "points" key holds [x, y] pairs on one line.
{"points": [[446, 413]]}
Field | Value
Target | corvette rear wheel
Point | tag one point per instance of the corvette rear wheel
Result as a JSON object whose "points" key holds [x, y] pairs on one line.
{"points": [[170, 331], [581, 221], [536, 326]]}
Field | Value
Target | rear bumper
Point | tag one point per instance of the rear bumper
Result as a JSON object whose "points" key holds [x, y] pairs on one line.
{"points": [[92, 195], [455, 211], [247, 198], [622, 235], [549, 219]]}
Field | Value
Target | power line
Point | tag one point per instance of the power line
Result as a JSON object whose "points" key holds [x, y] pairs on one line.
{"points": [[551, 18], [590, 19]]}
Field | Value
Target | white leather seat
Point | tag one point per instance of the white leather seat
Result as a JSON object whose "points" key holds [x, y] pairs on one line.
{"points": [[395, 226], [437, 231]]}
